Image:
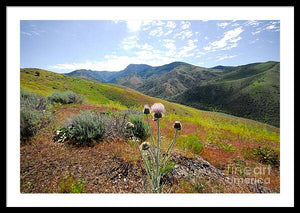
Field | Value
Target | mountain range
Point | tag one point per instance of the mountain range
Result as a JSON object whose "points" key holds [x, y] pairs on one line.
{"points": [[250, 91]]}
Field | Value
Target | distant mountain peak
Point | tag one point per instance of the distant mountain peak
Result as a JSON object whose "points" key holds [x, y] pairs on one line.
{"points": [[221, 67], [137, 66]]}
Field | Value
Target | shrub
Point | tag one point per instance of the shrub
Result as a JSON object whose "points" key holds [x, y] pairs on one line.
{"points": [[86, 126], [190, 143], [33, 101], [34, 114], [140, 130], [67, 97], [266, 155], [69, 184], [109, 113], [128, 112], [30, 122]]}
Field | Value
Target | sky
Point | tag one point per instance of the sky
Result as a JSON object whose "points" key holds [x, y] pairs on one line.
{"points": [[65, 46]]}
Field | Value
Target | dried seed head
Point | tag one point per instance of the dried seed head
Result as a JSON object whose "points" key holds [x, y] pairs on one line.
{"points": [[177, 125], [157, 115], [145, 145], [146, 109], [129, 125]]}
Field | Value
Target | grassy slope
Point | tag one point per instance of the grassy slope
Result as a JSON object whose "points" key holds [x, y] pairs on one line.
{"points": [[233, 136], [228, 90], [120, 98], [250, 91]]}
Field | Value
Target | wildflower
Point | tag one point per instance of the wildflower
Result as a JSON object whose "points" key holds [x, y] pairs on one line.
{"points": [[158, 109], [177, 125], [129, 125], [145, 146], [146, 109]]}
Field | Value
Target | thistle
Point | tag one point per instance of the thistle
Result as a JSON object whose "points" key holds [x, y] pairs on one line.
{"points": [[154, 161], [129, 125], [177, 125], [158, 109], [146, 109]]}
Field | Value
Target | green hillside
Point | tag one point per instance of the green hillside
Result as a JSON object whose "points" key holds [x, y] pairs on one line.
{"points": [[45, 82], [250, 91], [119, 97]]}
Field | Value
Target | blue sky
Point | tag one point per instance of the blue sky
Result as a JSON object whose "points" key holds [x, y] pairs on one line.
{"points": [[64, 46]]}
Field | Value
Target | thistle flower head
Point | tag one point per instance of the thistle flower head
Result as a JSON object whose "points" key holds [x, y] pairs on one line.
{"points": [[177, 125], [145, 146], [129, 125], [158, 109], [146, 109]]}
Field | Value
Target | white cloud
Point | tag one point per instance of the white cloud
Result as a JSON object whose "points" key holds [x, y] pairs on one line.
{"points": [[221, 58], [169, 40], [117, 63], [254, 41], [183, 34], [223, 24], [255, 32], [168, 32], [186, 50], [113, 63], [147, 24], [272, 27], [235, 25], [133, 25], [230, 46], [129, 42], [145, 46], [185, 25], [171, 24], [26, 33], [158, 23], [229, 38], [252, 23], [170, 46], [157, 32], [32, 30], [117, 21]]}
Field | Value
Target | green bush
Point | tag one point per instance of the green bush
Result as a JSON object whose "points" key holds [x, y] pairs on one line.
{"points": [[67, 97], [128, 112], [140, 129], [86, 126], [33, 101], [34, 114], [30, 122], [266, 155], [71, 185], [190, 143], [109, 113]]}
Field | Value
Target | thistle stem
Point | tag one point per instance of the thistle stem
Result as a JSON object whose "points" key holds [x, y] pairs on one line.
{"points": [[152, 138], [167, 156], [148, 170], [157, 178]]}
